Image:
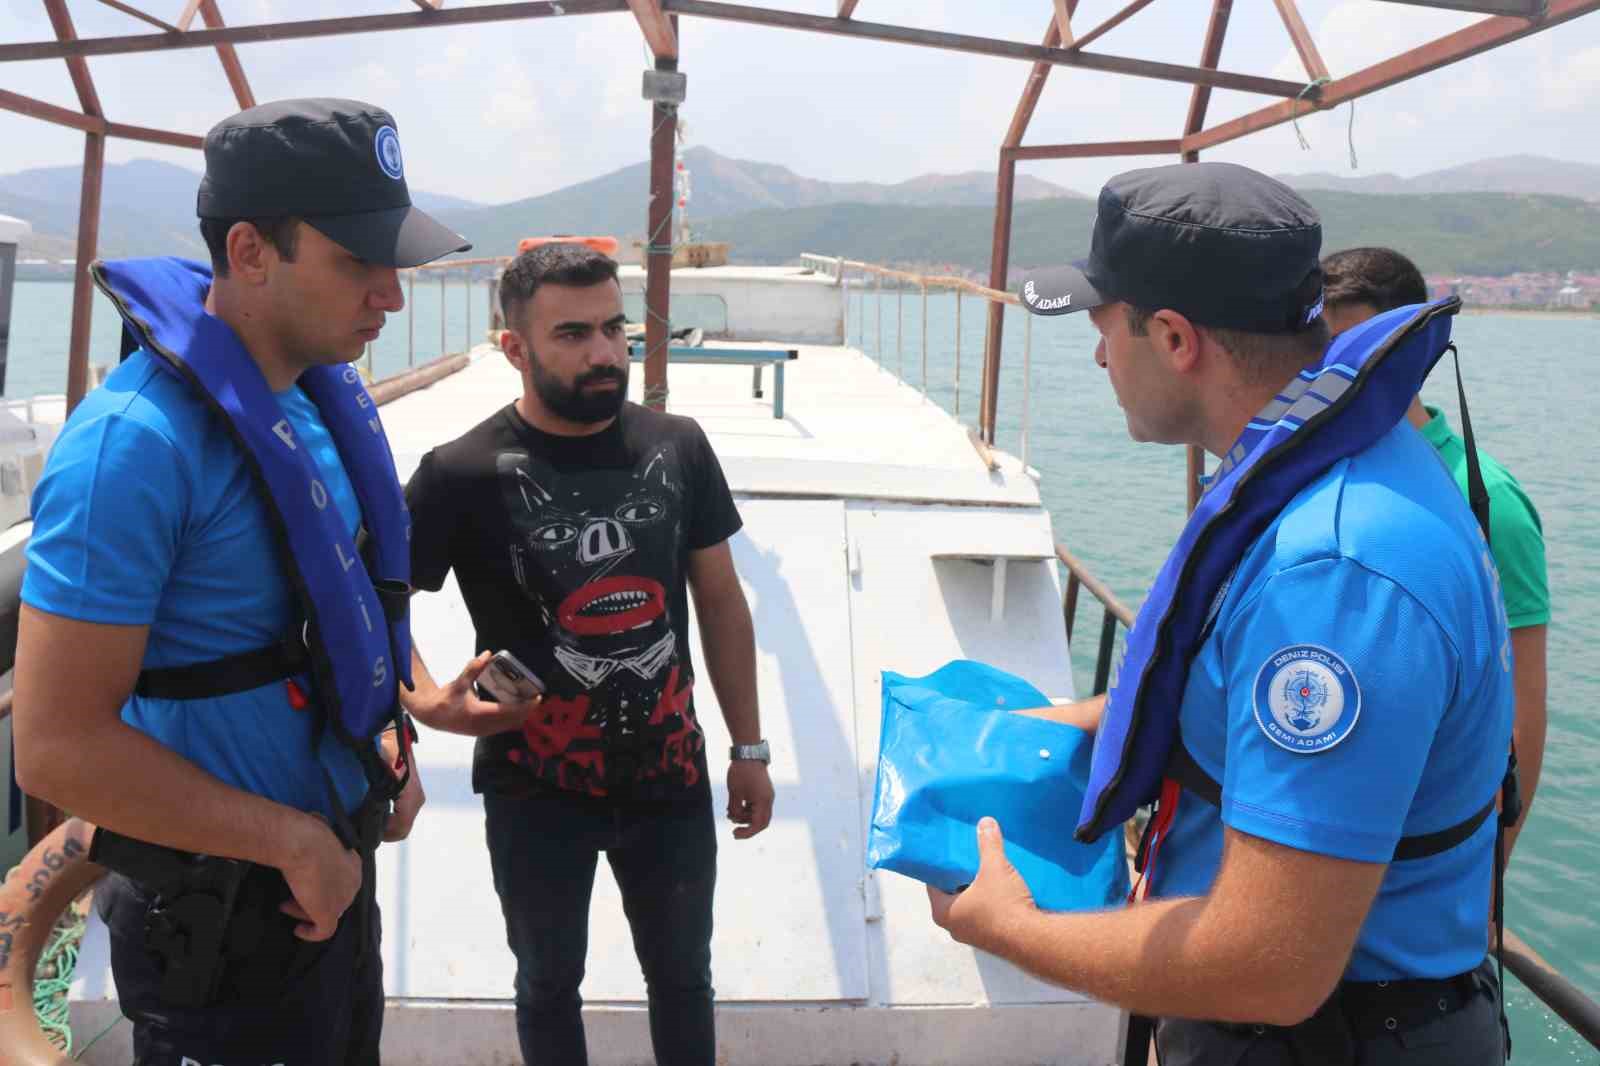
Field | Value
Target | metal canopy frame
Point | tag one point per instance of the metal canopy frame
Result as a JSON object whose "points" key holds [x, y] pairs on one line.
{"points": [[1507, 21]]}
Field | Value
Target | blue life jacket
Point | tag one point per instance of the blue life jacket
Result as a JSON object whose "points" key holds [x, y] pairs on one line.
{"points": [[1340, 406], [356, 638]]}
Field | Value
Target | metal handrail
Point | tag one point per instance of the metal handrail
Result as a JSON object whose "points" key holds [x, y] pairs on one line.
{"points": [[1078, 576], [1564, 998], [443, 268], [832, 265], [455, 264], [838, 267]]}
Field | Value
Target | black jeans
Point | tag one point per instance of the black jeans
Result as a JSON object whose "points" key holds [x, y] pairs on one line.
{"points": [[544, 848], [280, 999]]}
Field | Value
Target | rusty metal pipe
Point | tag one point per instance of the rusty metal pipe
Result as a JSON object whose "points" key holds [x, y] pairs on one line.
{"points": [[94, 159], [1096, 587], [1069, 604], [1102, 662], [1563, 997], [999, 261], [658, 245]]}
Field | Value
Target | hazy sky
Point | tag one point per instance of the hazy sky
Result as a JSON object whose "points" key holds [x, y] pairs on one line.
{"points": [[499, 112]]}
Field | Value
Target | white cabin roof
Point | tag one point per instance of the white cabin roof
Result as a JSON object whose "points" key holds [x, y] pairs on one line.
{"points": [[12, 230]]}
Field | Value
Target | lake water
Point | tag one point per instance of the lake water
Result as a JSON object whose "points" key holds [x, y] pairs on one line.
{"points": [[1119, 506]]}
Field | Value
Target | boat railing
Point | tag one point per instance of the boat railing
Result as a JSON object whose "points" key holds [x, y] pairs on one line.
{"points": [[1079, 577], [878, 277], [473, 278], [34, 408], [469, 280]]}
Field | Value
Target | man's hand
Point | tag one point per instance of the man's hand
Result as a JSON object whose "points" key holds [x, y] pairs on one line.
{"points": [[411, 798], [323, 876], [455, 708], [981, 914], [749, 797]]}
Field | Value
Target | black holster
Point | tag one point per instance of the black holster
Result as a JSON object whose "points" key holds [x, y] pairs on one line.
{"points": [[193, 902]]}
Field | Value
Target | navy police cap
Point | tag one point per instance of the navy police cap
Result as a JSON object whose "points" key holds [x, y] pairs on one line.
{"points": [[336, 165], [1221, 244]]}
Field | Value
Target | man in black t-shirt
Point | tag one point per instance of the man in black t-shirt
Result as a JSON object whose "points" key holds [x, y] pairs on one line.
{"points": [[574, 522]]}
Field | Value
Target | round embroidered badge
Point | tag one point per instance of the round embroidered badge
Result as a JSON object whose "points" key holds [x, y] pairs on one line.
{"points": [[1306, 699], [387, 146]]}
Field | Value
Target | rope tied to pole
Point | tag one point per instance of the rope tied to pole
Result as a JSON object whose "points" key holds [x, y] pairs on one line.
{"points": [[1311, 87], [1350, 129]]}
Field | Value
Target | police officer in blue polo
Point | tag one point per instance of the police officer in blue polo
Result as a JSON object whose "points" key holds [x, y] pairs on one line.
{"points": [[1317, 690], [213, 628]]}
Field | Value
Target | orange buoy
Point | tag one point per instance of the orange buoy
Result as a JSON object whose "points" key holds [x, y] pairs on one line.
{"points": [[603, 245]]}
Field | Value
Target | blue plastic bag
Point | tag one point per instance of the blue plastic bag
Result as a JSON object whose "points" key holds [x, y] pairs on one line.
{"points": [[952, 751]]}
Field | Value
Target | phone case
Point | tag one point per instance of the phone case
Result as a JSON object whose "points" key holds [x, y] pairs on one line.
{"points": [[508, 681]]}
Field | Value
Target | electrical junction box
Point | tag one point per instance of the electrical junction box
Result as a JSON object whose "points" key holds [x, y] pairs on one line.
{"points": [[665, 86]]}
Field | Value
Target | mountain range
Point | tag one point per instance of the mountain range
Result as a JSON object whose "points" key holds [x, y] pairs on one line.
{"points": [[1495, 216], [147, 207], [1491, 234], [1531, 174], [719, 187]]}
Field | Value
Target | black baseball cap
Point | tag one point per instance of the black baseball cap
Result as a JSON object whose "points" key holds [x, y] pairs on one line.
{"points": [[335, 164], [1223, 245]]}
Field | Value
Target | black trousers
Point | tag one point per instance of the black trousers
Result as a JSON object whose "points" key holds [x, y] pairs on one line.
{"points": [[544, 849], [279, 998], [1469, 1036]]}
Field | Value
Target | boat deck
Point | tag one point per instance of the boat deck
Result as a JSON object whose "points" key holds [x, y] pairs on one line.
{"points": [[876, 537]]}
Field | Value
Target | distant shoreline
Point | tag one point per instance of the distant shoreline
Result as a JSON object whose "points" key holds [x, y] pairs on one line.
{"points": [[1525, 312]]}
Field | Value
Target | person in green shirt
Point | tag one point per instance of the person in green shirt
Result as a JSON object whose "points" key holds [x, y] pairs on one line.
{"points": [[1360, 283]]}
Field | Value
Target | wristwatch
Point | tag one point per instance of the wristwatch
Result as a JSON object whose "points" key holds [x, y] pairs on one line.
{"points": [[757, 752]]}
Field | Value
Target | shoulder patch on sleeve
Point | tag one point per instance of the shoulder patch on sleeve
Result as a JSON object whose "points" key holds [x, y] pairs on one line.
{"points": [[1306, 698]]}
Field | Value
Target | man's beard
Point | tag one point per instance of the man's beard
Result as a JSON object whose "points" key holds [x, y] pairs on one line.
{"points": [[571, 402]]}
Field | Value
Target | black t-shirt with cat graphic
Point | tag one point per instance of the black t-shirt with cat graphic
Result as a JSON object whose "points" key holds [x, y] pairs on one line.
{"points": [[572, 554]]}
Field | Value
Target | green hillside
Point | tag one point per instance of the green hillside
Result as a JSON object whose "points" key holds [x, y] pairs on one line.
{"points": [[1451, 233], [615, 203], [1468, 233]]}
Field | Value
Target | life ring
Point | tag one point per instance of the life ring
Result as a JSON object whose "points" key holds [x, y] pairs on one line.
{"points": [[603, 245], [50, 877]]}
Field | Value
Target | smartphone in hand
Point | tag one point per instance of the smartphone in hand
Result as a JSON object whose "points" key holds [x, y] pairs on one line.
{"points": [[508, 680]]}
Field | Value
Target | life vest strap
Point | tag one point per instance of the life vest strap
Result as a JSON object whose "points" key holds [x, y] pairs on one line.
{"points": [[226, 676], [1185, 771], [1155, 833]]}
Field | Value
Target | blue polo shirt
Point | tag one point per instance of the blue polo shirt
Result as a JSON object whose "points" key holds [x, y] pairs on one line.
{"points": [[1356, 688], [147, 515]]}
